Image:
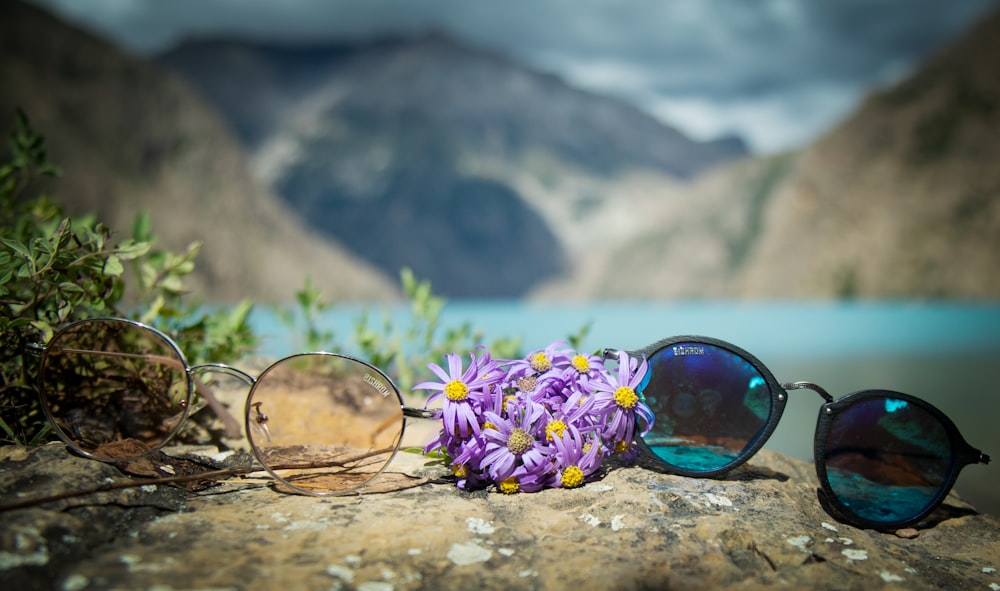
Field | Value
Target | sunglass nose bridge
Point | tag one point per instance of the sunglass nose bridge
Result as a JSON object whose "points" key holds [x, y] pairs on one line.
{"points": [[808, 386]]}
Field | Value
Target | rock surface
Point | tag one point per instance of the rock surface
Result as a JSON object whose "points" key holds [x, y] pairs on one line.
{"points": [[634, 528]]}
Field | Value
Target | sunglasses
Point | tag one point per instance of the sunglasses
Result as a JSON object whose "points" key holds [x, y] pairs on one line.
{"points": [[884, 459], [319, 423]]}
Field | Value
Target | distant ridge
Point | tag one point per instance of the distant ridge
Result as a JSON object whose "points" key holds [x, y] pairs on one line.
{"points": [[412, 151], [460, 89], [131, 137], [902, 200]]}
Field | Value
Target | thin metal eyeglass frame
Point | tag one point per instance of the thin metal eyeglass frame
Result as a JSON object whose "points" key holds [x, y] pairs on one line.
{"points": [[196, 386]]}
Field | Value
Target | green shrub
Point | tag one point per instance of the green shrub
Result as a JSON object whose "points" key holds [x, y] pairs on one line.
{"points": [[56, 268]]}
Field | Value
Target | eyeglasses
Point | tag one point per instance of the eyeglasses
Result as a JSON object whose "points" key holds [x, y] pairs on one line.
{"points": [[884, 459], [319, 423]]}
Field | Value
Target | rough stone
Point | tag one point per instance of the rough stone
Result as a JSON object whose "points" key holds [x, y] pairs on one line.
{"points": [[634, 528]]}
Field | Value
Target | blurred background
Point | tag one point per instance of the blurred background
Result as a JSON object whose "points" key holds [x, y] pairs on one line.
{"points": [[817, 182]]}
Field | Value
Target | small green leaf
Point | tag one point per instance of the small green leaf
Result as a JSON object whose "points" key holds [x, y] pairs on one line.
{"points": [[113, 266], [172, 283], [67, 288], [131, 250], [63, 233], [142, 227], [184, 268], [17, 247]]}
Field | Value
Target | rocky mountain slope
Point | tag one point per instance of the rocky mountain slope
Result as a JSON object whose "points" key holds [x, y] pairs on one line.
{"points": [[130, 137], [496, 181], [901, 200], [481, 175]]}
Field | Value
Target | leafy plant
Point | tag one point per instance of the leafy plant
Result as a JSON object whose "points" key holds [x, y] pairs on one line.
{"points": [[405, 352], [56, 268], [311, 307], [401, 348]]}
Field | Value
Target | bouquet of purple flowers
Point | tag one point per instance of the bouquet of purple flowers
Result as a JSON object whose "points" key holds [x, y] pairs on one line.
{"points": [[547, 420]]}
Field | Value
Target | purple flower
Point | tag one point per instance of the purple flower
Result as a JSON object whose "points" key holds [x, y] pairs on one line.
{"points": [[466, 463], [543, 421], [541, 362], [523, 480], [463, 392], [576, 460], [573, 413], [617, 400], [514, 441], [582, 366]]}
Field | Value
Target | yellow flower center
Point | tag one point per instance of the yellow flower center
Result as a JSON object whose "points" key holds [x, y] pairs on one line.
{"points": [[457, 391], [540, 362], [572, 477], [459, 470], [581, 363], [622, 446], [519, 441], [509, 486], [489, 425], [555, 429], [625, 397]]}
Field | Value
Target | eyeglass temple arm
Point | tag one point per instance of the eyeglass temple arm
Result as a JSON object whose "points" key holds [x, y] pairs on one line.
{"points": [[808, 386], [230, 423]]}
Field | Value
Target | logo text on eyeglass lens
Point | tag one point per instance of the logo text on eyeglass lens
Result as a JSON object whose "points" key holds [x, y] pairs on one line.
{"points": [[687, 350], [374, 383]]}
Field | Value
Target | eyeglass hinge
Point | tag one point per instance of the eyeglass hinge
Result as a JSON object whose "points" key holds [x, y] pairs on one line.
{"points": [[420, 413]]}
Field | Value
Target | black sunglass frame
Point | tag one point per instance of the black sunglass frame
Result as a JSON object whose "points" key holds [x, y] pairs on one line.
{"points": [[962, 453], [778, 399]]}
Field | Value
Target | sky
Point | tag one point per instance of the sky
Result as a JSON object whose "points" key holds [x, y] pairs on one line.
{"points": [[777, 73]]}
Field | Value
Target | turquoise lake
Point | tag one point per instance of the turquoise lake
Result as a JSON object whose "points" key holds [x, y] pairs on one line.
{"points": [[947, 354]]}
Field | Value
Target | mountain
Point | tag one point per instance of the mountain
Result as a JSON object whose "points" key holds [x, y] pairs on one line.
{"points": [[348, 161], [131, 137], [483, 176], [900, 200]]}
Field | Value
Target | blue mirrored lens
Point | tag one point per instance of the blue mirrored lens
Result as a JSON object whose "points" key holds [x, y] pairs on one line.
{"points": [[710, 405], [887, 459]]}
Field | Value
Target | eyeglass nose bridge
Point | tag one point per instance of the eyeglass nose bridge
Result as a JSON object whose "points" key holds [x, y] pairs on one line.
{"points": [[230, 423]]}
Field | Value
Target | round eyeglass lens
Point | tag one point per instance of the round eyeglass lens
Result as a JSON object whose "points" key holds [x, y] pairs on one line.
{"points": [[322, 423], [710, 405], [886, 459], [114, 389]]}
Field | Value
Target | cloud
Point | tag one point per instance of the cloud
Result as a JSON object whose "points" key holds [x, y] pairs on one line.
{"points": [[769, 123], [774, 71]]}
